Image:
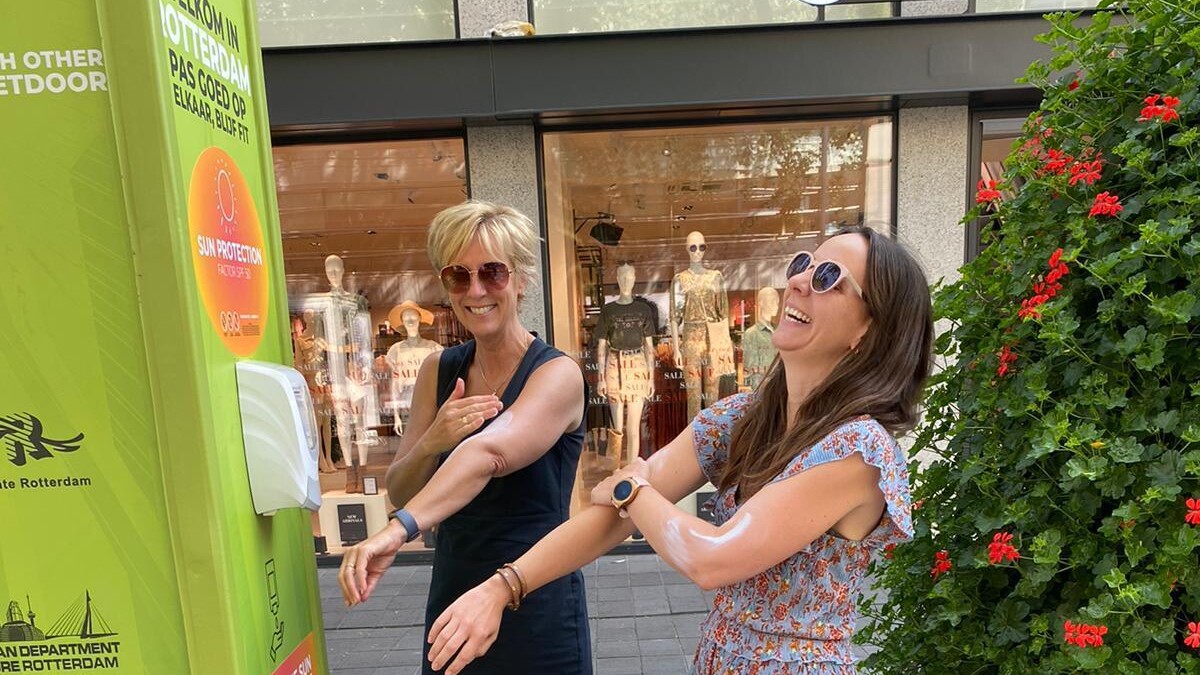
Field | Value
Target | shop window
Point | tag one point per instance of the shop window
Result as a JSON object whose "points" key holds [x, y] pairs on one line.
{"points": [[290, 23], [985, 6], [667, 256], [863, 9], [365, 303], [994, 137], [595, 16]]}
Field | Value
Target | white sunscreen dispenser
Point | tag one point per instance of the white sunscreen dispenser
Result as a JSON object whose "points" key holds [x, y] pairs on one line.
{"points": [[279, 429]]}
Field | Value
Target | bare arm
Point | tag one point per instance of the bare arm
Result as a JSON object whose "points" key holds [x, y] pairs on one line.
{"points": [[674, 472], [432, 431], [550, 405], [471, 622], [771, 526]]}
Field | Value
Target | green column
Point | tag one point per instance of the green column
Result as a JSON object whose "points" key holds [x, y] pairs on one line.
{"points": [[142, 260]]}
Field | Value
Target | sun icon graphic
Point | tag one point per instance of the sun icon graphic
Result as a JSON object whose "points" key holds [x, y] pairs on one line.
{"points": [[226, 198]]}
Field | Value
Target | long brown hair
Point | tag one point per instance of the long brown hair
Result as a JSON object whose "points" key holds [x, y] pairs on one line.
{"points": [[883, 378]]}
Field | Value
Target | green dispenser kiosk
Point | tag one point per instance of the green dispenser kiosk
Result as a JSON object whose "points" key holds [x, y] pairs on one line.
{"points": [[154, 515]]}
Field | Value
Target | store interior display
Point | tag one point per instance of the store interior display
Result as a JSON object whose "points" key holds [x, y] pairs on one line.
{"points": [[757, 351], [404, 358], [707, 218], [335, 334], [625, 362], [354, 219], [700, 327]]}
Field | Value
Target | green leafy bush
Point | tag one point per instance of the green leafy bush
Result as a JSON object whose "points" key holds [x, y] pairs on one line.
{"points": [[1067, 412]]}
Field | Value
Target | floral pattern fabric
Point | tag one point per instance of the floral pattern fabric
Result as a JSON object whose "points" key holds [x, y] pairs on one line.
{"points": [[797, 617]]}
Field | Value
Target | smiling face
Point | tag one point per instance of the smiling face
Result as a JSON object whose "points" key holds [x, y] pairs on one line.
{"points": [[483, 310], [823, 327]]}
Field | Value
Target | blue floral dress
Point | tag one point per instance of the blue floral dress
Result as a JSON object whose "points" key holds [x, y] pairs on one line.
{"points": [[799, 615]]}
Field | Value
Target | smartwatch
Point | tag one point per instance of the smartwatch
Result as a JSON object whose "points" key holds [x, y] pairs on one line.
{"points": [[410, 524], [626, 490]]}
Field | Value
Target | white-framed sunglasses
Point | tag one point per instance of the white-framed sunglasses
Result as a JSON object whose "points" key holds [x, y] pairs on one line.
{"points": [[825, 276]]}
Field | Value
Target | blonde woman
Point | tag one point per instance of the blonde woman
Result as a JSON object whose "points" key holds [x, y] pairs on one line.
{"points": [[491, 450]]}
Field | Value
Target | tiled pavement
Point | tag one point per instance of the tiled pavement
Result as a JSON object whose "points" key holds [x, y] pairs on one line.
{"points": [[645, 619]]}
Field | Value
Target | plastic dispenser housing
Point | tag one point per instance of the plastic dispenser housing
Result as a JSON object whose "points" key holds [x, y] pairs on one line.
{"points": [[279, 428]]}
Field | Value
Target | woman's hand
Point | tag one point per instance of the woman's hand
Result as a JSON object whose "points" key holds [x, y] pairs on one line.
{"points": [[364, 564], [602, 493], [469, 626], [457, 418]]}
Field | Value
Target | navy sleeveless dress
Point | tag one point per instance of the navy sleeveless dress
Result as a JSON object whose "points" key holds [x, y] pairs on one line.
{"points": [[549, 633]]}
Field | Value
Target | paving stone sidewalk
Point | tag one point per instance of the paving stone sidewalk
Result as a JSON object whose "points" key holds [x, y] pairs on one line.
{"points": [[644, 616]]}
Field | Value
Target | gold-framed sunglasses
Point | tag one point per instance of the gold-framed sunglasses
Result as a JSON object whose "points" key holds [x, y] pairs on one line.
{"points": [[493, 275]]}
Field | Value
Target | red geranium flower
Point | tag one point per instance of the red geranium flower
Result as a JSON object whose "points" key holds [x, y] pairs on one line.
{"points": [[1084, 635], [1193, 514], [941, 564], [1106, 204], [1193, 638], [986, 194], [1000, 550], [1057, 161], [1088, 172], [1165, 112], [1006, 357]]}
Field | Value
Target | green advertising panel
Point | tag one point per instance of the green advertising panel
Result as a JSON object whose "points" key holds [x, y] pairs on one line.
{"points": [[143, 261]]}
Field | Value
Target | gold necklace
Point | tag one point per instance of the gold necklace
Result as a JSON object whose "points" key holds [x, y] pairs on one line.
{"points": [[510, 373]]}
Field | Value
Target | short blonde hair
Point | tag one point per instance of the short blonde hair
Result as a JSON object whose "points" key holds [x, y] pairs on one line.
{"points": [[502, 230]]}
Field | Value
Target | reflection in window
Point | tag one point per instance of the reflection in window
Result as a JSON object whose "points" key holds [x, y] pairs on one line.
{"points": [[365, 304], [868, 9], [997, 137], [983, 6], [286, 23], [628, 210], [594, 16]]}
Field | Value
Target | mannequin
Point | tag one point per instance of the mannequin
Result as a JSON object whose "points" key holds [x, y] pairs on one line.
{"points": [[348, 349], [700, 327], [625, 359], [308, 348], [406, 357], [758, 352]]}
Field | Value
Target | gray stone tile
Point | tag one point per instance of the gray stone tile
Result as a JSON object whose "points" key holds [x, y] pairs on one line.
{"points": [[605, 650], [645, 579], [666, 665], [650, 627], [622, 665], [659, 647], [613, 581]]}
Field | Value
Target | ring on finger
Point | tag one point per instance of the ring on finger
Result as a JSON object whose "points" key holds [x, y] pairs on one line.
{"points": [[464, 419]]}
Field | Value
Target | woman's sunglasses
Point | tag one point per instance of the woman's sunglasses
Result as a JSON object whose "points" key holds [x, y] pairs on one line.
{"points": [[825, 277], [493, 275], [697, 247]]}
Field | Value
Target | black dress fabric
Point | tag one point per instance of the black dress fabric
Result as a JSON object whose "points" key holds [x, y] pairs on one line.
{"points": [[549, 633]]}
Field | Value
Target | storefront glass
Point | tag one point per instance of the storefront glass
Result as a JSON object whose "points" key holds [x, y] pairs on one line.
{"points": [[995, 142], [667, 249], [366, 307], [287, 23], [595, 16], [982, 6]]}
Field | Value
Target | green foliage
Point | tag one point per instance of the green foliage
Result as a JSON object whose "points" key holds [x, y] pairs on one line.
{"points": [[1088, 446]]}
